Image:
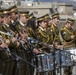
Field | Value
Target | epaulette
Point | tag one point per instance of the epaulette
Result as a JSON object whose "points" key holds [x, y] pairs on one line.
{"points": [[44, 36], [5, 33], [67, 30], [42, 33], [52, 27], [5, 27], [64, 28]]}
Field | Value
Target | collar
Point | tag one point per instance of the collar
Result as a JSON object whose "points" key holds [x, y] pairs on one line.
{"points": [[21, 23], [41, 28], [66, 26], [12, 21], [6, 24], [54, 24]]}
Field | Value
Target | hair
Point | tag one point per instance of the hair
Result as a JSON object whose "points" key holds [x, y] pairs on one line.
{"points": [[6, 15], [32, 23], [39, 22]]}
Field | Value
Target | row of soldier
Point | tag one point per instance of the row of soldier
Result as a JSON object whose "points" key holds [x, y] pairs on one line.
{"points": [[16, 26]]}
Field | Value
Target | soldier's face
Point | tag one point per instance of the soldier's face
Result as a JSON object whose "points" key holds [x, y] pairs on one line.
{"points": [[43, 24], [8, 19], [23, 19], [69, 25], [14, 16], [49, 22], [56, 20]]}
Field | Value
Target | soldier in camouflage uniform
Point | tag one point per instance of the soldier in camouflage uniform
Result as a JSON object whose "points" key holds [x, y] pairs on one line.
{"points": [[68, 41]]}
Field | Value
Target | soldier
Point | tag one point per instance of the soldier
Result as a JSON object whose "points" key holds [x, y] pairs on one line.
{"points": [[68, 41], [47, 19], [20, 25], [44, 36], [8, 40], [22, 28], [22, 34], [41, 31], [14, 13], [56, 42], [54, 29], [14, 16], [31, 26], [1, 16], [1, 44], [49, 31], [13, 48]]}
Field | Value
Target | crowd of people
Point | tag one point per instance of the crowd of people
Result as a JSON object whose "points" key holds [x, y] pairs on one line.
{"points": [[23, 36]]}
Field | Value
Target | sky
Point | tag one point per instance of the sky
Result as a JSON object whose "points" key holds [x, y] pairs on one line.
{"points": [[47, 0], [57, 0]]}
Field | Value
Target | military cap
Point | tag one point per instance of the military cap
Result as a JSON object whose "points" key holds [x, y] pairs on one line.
{"points": [[71, 21], [13, 9], [55, 15], [6, 11], [42, 18], [24, 13], [1, 12], [31, 15], [47, 16]]}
